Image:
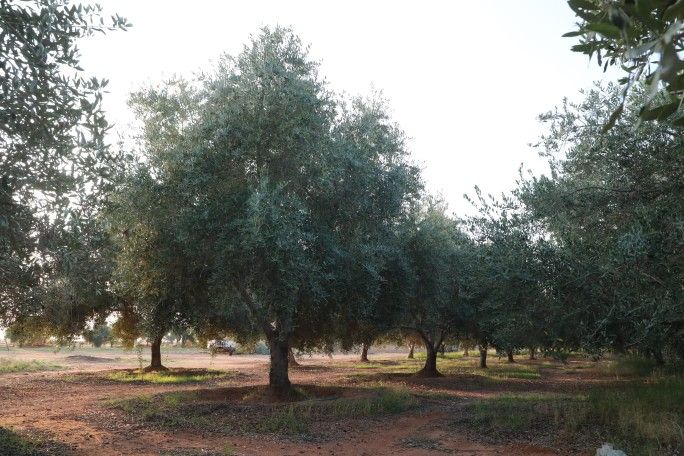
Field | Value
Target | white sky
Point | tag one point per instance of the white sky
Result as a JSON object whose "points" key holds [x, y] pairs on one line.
{"points": [[465, 79]]}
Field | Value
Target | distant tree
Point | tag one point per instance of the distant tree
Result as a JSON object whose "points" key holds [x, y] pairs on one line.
{"points": [[646, 39], [153, 279], [511, 311], [438, 255], [100, 334]]}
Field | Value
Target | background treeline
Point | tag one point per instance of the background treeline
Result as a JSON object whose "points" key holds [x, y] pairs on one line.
{"points": [[255, 203]]}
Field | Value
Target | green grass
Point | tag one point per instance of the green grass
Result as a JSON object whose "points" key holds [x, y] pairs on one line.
{"points": [[513, 413], [630, 366], [185, 410], [643, 418], [11, 365], [14, 444], [447, 355], [166, 377], [646, 417], [295, 418]]}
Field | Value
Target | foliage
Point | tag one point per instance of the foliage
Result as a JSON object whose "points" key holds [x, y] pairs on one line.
{"points": [[439, 260], [612, 210], [263, 196], [100, 334], [55, 165], [644, 37]]}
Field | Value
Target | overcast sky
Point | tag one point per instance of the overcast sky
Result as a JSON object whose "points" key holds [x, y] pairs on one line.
{"points": [[465, 79]]}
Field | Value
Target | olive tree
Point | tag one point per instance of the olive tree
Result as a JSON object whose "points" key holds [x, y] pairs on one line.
{"points": [[613, 206], [438, 256], [53, 160], [284, 197]]}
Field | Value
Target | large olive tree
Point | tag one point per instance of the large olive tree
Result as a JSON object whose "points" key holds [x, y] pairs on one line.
{"points": [[284, 198]]}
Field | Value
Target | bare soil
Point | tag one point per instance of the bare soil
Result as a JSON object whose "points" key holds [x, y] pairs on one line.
{"points": [[72, 406]]}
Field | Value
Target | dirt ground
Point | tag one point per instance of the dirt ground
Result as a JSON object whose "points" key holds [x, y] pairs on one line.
{"points": [[69, 405]]}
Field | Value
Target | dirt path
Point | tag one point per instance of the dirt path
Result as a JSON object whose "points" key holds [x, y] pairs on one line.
{"points": [[72, 409]]}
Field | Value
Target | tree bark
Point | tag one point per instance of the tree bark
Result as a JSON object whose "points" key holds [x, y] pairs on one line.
{"points": [[483, 356], [430, 368], [155, 363], [509, 353], [278, 379], [410, 355], [364, 352], [292, 361], [533, 353]]}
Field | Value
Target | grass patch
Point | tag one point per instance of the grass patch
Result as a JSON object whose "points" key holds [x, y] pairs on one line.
{"points": [[11, 365], [495, 371], [645, 418], [14, 444], [295, 418], [512, 413], [192, 411], [166, 377], [446, 355], [629, 366]]}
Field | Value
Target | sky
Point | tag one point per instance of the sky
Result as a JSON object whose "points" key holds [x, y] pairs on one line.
{"points": [[465, 80]]}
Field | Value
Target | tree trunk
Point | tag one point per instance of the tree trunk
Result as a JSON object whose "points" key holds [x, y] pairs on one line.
{"points": [[291, 360], [509, 353], [155, 363], [410, 355], [430, 368], [483, 356], [465, 352], [364, 352], [278, 379], [533, 353]]}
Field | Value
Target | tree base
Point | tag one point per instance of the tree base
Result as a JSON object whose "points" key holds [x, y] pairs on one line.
{"points": [[428, 373], [155, 369]]}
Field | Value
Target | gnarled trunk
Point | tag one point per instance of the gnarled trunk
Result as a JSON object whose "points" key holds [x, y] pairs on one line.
{"points": [[292, 361], [509, 353], [430, 368], [278, 379], [483, 356], [155, 362], [411, 346], [364, 352]]}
